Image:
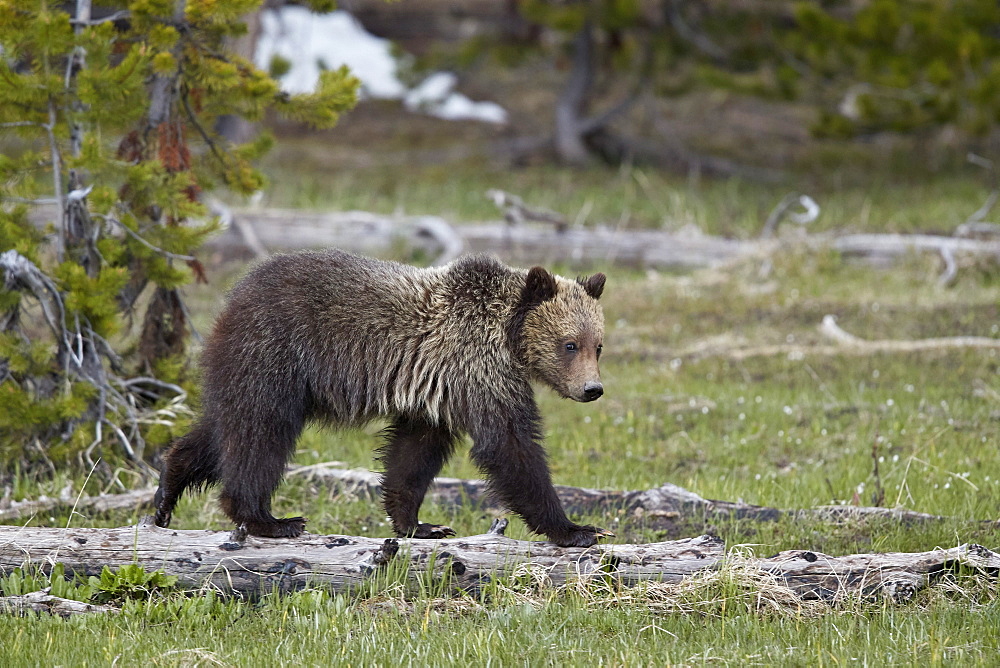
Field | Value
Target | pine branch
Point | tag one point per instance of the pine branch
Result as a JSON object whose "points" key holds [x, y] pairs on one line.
{"points": [[132, 233], [120, 15]]}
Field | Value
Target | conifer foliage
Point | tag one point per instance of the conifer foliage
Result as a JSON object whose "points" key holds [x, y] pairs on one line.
{"points": [[902, 66], [107, 117]]}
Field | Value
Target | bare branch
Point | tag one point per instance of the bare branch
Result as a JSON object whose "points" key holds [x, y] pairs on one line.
{"points": [[57, 180], [187, 315], [831, 329], [950, 268], [809, 214], [135, 235], [204, 133], [443, 234], [987, 164], [697, 39], [147, 380], [35, 202], [81, 350], [120, 15], [515, 211], [19, 271]]}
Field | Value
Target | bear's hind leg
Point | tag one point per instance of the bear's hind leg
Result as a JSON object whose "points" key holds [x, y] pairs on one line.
{"points": [[248, 504], [253, 464], [191, 461], [413, 454]]}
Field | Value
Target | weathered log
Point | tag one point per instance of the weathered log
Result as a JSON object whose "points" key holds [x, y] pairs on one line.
{"points": [[898, 575], [667, 504], [373, 234], [888, 246], [138, 498], [258, 565], [43, 602], [376, 234], [844, 343], [526, 244], [212, 559]]}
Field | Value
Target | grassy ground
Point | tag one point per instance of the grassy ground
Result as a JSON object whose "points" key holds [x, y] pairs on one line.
{"points": [[628, 197], [916, 431]]}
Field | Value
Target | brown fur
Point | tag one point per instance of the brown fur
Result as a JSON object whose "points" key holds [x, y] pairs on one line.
{"points": [[441, 352]]}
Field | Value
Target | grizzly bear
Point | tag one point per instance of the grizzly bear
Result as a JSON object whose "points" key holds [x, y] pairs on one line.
{"points": [[441, 352]]}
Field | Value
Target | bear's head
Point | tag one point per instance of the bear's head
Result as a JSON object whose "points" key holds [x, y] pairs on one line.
{"points": [[563, 332]]}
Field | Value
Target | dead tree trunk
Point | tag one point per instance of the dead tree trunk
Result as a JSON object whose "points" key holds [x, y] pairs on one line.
{"points": [[259, 565], [212, 559], [44, 602], [665, 506], [374, 234], [571, 149]]}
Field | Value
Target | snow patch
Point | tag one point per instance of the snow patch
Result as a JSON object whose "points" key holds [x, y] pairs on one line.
{"points": [[316, 42], [436, 96]]}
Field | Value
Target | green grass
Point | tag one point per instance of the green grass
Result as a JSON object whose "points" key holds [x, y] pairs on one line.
{"points": [[304, 175], [779, 430], [313, 628]]}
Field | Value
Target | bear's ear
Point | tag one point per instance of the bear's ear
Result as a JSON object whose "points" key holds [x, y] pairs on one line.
{"points": [[593, 285], [540, 286]]}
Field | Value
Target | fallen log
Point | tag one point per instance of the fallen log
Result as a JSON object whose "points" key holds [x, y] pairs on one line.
{"points": [[249, 566], [889, 246], [254, 565], [256, 231], [42, 602], [666, 504], [374, 234], [843, 343], [896, 575], [663, 506], [101, 503]]}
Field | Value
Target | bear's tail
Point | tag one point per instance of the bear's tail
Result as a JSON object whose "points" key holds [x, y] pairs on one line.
{"points": [[191, 461]]}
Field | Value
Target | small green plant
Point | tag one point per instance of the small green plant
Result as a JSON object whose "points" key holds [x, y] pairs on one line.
{"points": [[25, 580], [130, 582]]}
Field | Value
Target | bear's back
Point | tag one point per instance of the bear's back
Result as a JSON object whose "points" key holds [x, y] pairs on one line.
{"points": [[365, 337]]}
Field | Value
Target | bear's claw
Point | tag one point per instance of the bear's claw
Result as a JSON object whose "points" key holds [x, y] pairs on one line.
{"points": [[162, 519], [580, 536], [435, 531], [286, 527]]}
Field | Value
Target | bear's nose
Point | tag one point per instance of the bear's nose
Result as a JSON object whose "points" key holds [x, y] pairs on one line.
{"points": [[592, 391]]}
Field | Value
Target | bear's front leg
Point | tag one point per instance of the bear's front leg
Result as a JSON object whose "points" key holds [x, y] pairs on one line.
{"points": [[414, 452], [509, 453]]}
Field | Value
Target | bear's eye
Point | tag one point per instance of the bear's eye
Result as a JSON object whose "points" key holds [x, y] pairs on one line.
{"points": [[571, 346], [599, 349]]}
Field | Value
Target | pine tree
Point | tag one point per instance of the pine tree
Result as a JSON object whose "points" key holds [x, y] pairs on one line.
{"points": [[901, 66], [108, 120], [619, 52], [880, 65]]}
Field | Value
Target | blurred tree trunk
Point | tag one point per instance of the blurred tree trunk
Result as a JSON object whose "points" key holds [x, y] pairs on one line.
{"points": [[570, 145], [232, 127]]}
